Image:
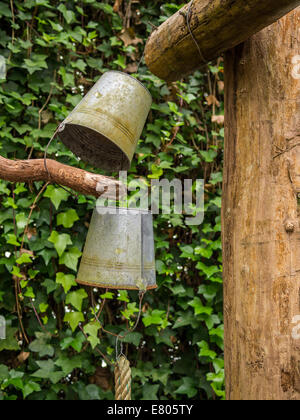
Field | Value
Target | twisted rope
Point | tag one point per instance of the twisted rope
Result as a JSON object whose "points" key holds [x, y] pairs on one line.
{"points": [[122, 379]]}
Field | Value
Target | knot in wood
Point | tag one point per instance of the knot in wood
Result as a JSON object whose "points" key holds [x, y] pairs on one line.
{"points": [[289, 226]]}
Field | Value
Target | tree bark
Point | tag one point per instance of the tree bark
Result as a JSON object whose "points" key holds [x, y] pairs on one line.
{"points": [[217, 25], [261, 215], [79, 180]]}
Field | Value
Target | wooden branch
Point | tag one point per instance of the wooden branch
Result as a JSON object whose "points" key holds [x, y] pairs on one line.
{"points": [[77, 179], [217, 25]]}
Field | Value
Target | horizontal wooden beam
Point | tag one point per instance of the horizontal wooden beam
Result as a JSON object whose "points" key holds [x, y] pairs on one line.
{"points": [[77, 179], [217, 25]]}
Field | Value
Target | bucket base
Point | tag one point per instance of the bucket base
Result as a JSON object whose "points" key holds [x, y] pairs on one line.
{"points": [[105, 286], [94, 148]]}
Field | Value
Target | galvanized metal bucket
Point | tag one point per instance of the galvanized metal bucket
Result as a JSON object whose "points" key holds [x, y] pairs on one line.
{"points": [[119, 251], [104, 128]]}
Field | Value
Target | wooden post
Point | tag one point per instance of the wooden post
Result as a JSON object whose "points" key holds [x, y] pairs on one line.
{"points": [[261, 217]]}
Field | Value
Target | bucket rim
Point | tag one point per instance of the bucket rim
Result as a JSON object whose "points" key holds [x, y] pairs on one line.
{"points": [[105, 286], [131, 77]]}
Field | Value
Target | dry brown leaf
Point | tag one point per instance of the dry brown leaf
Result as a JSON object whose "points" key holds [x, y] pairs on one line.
{"points": [[219, 119], [129, 38], [118, 5], [46, 117], [31, 232], [102, 378], [26, 251], [221, 86], [132, 68], [23, 356], [211, 100]]}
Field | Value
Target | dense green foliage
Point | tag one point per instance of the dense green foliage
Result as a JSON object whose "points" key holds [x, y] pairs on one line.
{"points": [[55, 51]]}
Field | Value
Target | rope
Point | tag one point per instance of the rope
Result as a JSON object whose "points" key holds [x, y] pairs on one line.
{"points": [[122, 379], [122, 365]]}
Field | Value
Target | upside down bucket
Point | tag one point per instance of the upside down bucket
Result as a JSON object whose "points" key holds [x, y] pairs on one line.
{"points": [[104, 129], [119, 251]]}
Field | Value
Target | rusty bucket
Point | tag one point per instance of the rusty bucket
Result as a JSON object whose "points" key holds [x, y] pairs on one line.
{"points": [[104, 128], [119, 251]]}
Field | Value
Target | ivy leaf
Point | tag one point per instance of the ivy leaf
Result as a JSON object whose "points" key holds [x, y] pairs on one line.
{"points": [[29, 293], [24, 259], [70, 258], [188, 387], [60, 241], [17, 272], [208, 270], [199, 308], [68, 78], [35, 63], [184, 319], [41, 346], [56, 195], [68, 364], [204, 252], [208, 156], [150, 392], [66, 280], [21, 220], [67, 14], [91, 330], [47, 371], [123, 296], [12, 240], [76, 298], [67, 219], [133, 338], [76, 343], [205, 350], [30, 388], [50, 285], [10, 343], [154, 317], [74, 319], [4, 372]]}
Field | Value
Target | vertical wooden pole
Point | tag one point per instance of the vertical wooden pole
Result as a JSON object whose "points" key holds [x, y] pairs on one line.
{"points": [[261, 217]]}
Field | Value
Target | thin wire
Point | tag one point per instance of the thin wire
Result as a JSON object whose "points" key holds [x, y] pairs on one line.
{"points": [[121, 337], [140, 62], [46, 152], [188, 17], [154, 28], [59, 129]]}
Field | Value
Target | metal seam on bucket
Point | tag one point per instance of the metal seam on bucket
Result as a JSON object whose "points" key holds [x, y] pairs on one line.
{"points": [[116, 266], [104, 116]]}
